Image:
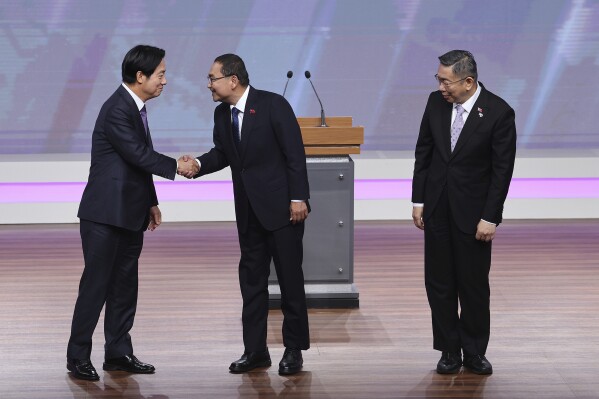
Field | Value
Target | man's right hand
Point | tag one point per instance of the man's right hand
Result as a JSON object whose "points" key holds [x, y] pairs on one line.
{"points": [[187, 166], [417, 212]]}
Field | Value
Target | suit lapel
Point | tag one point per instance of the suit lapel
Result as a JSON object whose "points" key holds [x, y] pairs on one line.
{"points": [[446, 128], [139, 124], [249, 117], [141, 128], [228, 128], [149, 139], [473, 121]]}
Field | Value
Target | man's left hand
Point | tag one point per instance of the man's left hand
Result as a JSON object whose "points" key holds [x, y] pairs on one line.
{"points": [[485, 231], [298, 212], [155, 218], [187, 166]]}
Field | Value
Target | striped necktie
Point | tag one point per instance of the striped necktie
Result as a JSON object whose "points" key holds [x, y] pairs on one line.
{"points": [[458, 124]]}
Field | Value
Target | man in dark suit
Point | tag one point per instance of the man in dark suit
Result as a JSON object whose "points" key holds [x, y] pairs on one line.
{"points": [[464, 162], [256, 133], [119, 202]]}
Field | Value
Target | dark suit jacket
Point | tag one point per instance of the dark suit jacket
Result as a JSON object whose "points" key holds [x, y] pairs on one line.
{"points": [[120, 189], [270, 168], [478, 172]]}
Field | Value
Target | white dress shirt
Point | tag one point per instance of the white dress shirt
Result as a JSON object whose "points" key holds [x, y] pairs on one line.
{"points": [[467, 106], [241, 107], [140, 104]]}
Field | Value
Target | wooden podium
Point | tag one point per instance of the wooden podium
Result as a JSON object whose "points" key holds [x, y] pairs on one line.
{"points": [[339, 138], [329, 235]]}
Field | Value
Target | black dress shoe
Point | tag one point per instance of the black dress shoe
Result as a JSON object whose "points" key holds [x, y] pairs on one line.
{"points": [[291, 362], [250, 361], [449, 363], [128, 363], [82, 369], [478, 364]]}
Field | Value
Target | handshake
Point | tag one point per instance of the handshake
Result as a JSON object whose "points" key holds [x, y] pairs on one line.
{"points": [[187, 166]]}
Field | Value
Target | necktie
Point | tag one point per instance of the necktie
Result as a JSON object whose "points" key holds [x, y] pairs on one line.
{"points": [[235, 126], [458, 124], [144, 117]]}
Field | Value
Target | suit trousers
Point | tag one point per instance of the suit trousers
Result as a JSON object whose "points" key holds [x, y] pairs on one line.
{"points": [[284, 246], [457, 269], [110, 277]]}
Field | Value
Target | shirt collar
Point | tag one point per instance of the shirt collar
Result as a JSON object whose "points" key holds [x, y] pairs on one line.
{"points": [[140, 104], [241, 103], [468, 104]]}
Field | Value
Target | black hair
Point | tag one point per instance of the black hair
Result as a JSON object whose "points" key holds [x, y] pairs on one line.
{"points": [[142, 58], [233, 65]]}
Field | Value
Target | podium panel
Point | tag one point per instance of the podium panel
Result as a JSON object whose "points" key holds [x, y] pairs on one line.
{"points": [[328, 237], [329, 234]]}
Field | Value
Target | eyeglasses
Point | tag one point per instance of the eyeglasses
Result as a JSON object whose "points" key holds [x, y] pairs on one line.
{"points": [[447, 83], [211, 80]]}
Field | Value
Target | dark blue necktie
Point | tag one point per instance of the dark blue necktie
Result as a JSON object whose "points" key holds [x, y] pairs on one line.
{"points": [[235, 126]]}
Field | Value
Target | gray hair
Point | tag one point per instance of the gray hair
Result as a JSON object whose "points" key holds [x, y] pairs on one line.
{"points": [[462, 63]]}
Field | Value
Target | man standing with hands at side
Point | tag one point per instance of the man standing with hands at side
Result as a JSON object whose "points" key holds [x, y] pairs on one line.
{"points": [[256, 133], [118, 204], [464, 162]]}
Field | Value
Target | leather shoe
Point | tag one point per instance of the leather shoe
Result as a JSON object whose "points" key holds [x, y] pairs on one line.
{"points": [[449, 363], [291, 362], [82, 369], [478, 364], [128, 363], [250, 361]]}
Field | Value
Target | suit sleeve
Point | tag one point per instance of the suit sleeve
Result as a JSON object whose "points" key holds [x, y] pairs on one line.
{"points": [[215, 159], [423, 155], [503, 155], [153, 196], [130, 145], [289, 137]]}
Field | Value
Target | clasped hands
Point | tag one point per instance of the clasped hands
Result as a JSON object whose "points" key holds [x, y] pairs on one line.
{"points": [[187, 166]]}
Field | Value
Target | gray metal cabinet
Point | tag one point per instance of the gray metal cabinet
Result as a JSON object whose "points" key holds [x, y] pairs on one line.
{"points": [[329, 236]]}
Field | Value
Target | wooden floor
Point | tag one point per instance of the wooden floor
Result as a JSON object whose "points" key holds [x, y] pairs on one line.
{"points": [[544, 332]]}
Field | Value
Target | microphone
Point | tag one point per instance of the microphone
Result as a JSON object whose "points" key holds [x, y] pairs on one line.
{"points": [[322, 119], [289, 76]]}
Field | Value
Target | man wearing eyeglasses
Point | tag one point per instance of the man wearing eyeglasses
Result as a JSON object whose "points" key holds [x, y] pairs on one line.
{"points": [[257, 135], [464, 162]]}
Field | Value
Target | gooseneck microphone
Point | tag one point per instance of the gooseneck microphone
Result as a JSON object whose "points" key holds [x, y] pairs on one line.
{"points": [[289, 76], [322, 119]]}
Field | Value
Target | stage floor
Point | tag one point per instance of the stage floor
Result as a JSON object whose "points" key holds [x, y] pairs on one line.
{"points": [[544, 321]]}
